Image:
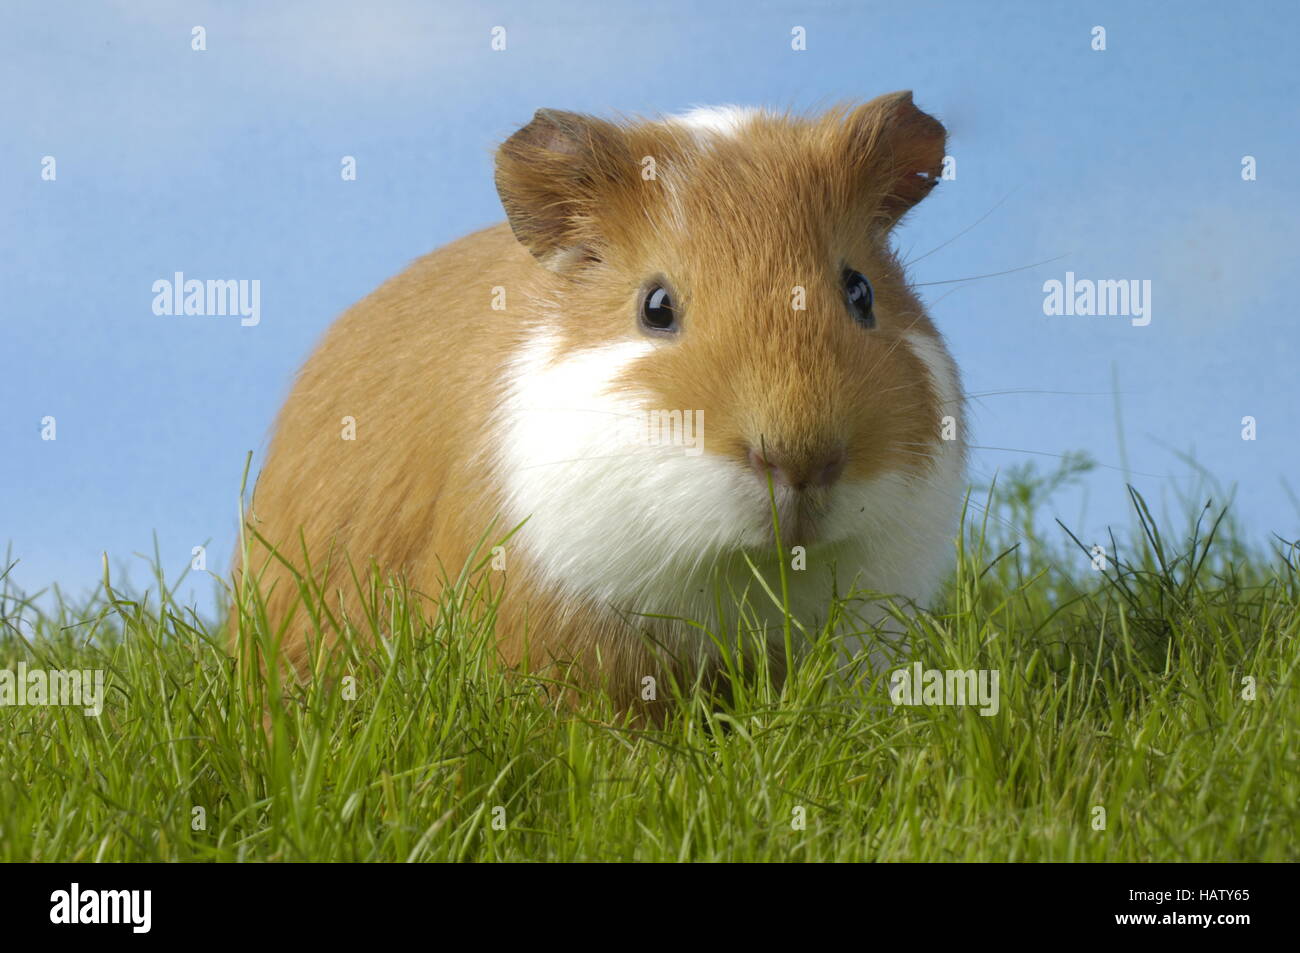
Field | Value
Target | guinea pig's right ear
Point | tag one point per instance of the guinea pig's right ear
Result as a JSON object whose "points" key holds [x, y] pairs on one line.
{"points": [[553, 175]]}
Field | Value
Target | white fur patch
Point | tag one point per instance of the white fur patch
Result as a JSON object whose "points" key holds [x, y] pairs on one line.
{"points": [[642, 528], [607, 520], [708, 121]]}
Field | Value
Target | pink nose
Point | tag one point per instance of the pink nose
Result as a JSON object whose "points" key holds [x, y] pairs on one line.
{"points": [[799, 472]]}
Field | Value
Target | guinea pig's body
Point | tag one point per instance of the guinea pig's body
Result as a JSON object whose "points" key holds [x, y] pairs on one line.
{"points": [[665, 340]]}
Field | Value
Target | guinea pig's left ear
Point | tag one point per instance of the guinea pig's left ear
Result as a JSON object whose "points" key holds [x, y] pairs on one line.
{"points": [[554, 175], [895, 153]]}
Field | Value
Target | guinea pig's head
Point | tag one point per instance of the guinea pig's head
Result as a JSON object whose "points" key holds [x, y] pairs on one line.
{"points": [[719, 322]]}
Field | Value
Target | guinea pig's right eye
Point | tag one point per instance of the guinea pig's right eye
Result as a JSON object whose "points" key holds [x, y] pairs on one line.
{"points": [[859, 297], [657, 311]]}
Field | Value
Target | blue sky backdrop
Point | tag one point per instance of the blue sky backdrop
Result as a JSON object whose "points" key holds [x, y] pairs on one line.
{"points": [[225, 164]]}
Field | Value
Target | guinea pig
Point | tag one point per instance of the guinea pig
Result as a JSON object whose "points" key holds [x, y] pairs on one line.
{"points": [[692, 333]]}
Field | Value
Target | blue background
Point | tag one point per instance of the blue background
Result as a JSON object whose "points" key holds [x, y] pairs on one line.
{"points": [[225, 164]]}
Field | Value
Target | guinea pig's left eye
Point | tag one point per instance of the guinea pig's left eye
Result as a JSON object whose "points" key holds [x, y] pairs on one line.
{"points": [[859, 297]]}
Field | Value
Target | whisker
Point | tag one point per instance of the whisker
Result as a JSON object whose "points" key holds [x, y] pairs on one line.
{"points": [[951, 291], [1061, 456], [1066, 393], [555, 463], [977, 221], [992, 274]]}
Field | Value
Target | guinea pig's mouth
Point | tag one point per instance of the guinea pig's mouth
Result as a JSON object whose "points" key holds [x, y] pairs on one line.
{"points": [[800, 516]]}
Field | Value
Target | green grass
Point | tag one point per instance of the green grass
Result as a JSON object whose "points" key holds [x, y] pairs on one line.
{"points": [[1120, 690]]}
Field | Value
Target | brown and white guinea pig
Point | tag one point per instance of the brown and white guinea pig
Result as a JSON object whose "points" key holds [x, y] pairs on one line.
{"points": [[726, 275]]}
